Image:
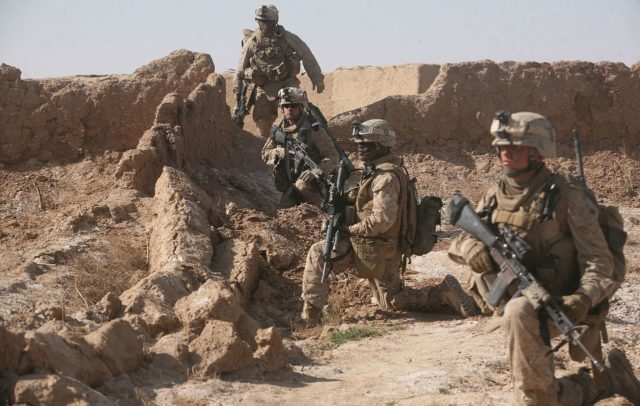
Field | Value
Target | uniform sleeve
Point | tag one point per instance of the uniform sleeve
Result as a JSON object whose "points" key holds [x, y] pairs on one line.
{"points": [[308, 60], [386, 192], [465, 242], [245, 56], [330, 157], [269, 152], [593, 255]]}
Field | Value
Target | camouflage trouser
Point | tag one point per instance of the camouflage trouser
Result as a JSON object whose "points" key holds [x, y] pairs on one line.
{"points": [[317, 294], [265, 108], [532, 364]]}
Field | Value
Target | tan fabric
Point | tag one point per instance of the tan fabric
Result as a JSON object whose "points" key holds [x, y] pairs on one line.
{"points": [[290, 41], [383, 289], [572, 241], [568, 254]]}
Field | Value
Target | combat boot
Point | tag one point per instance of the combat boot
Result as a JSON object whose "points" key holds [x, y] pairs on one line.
{"points": [[451, 294], [621, 376], [311, 315]]}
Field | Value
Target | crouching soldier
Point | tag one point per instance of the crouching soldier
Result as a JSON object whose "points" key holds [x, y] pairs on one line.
{"points": [[292, 138], [374, 239], [568, 255]]}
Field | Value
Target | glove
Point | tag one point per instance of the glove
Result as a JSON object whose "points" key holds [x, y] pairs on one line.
{"points": [[235, 90], [577, 306], [307, 177], [479, 259], [278, 152], [319, 87]]}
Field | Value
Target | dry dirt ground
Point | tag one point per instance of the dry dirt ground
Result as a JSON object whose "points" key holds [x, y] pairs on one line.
{"points": [[418, 358], [66, 241]]}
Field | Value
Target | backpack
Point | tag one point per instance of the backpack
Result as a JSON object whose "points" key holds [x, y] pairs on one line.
{"points": [[611, 224], [419, 219]]}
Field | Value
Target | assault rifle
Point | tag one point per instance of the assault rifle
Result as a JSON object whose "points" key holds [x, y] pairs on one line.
{"points": [[336, 202], [242, 104], [335, 223], [294, 150], [507, 252]]}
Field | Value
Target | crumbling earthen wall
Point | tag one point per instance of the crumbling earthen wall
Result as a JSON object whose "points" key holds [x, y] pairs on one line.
{"points": [[600, 99], [348, 88], [185, 132], [64, 118]]}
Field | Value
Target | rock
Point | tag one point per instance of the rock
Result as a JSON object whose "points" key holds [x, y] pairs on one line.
{"points": [[51, 352], [270, 353], [211, 301], [11, 345], [117, 345], [219, 349], [41, 389], [110, 306], [238, 262], [50, 312]]}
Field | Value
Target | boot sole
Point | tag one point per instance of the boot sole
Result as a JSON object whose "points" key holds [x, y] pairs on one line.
{"points": [[468, 306], [618, 363]]}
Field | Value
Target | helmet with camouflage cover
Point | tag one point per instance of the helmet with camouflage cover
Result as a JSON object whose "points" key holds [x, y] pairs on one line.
{"points": [[524, 129], [267, 12], [376, 130], [292, 95]]}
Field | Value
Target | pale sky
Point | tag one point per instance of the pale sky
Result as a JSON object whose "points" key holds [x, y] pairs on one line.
{"points": [[49, 38]]}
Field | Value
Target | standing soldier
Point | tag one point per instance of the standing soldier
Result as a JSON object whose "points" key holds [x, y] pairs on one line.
{"points": [[270, 58], [294, 178], [569, 256], [380, 202]]}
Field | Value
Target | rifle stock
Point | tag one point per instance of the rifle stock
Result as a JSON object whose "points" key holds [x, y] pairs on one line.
{"points": [[507, 253]]}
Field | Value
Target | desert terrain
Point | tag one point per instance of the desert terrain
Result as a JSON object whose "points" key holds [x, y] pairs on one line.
{"points": [[144, 260]]}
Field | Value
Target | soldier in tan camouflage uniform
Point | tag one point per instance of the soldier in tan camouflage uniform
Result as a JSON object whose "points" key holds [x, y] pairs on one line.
{"points": [[293, 178], [271, 58], [569, 256], [375, 238]]}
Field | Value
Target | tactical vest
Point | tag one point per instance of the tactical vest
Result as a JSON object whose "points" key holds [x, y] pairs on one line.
{"points": [[282, 179], [371, 253], [553, 257], [273, 58], [364, 199]]}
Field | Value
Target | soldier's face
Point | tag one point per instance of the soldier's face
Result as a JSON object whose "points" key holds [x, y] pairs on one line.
{"points": [[291, 112], [266, 25], [367, 151], [514, 157]]}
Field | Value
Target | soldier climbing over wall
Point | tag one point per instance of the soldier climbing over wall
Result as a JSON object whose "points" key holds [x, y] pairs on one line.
{"points": [[270, 60]]}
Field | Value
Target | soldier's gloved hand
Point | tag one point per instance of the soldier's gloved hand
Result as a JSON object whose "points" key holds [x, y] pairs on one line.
{"points": [[478, 259], [278, 152], [318, 87], [235, 90], [577, 306], [307, 177]]}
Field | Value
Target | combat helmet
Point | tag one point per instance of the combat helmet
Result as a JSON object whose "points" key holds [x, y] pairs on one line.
{"points": [[375, 130], [526, 129], [267, 12], [292, 95]]}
